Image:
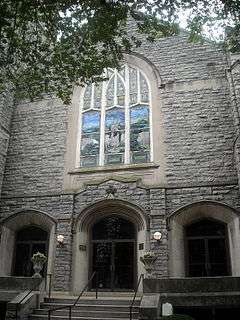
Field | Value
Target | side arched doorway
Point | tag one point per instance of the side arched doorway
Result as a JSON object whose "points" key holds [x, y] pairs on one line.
{"points": [[24, 233], [113, 253], [29, 240], [204, 240], [207, 249]]}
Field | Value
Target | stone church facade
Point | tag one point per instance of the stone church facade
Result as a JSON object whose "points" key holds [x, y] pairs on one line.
{"points": [[186, 187]]}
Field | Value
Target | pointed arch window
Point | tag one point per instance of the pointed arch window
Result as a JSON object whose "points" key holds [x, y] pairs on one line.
{"points": [[115, 120]]}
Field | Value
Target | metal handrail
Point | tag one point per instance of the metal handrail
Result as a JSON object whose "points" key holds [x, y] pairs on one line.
{"points": [[74, 304], [23, 298], [49, 275], [134, 297]]}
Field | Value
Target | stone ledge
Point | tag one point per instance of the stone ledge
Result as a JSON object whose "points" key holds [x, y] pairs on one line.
{"points": [[140, 166]]}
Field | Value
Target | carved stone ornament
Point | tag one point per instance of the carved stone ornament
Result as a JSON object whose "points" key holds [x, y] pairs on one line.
{"points": [[111, 190], [149, 259]]}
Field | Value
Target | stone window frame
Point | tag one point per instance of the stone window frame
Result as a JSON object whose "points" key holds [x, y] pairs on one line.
{"points": [[72, 173], [127, 109]]}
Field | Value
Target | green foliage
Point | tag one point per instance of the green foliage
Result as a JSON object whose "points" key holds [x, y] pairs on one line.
{"points": [[48, 46], [177, 317]]}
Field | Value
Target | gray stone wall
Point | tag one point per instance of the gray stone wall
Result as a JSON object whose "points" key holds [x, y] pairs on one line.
{"points": [[35, 160], [180, 197], [199, 136], [198, 114], [6, 109], [60, 206], [234, 83]]}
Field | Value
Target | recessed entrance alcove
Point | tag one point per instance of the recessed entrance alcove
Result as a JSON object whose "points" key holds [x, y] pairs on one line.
{"points": [[204, 241], [110, 237], [23, 234]]}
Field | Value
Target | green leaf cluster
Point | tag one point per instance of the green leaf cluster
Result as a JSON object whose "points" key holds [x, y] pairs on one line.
{"points": [[47, 46], [177, 317]]}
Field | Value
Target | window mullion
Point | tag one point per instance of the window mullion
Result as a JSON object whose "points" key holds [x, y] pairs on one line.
{"points": [[127, 117], [115, 88], [102, 126], [138, 87], [79, 134], [92, 96]]}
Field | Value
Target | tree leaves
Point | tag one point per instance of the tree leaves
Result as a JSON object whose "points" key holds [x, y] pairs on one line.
{"points": [[48, 45]]}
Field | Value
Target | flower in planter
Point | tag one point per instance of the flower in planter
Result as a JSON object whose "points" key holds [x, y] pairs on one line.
{"points": [[149, 254], [39, 258]]}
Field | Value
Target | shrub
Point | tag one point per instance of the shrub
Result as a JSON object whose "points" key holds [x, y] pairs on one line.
{"points": [[177, 317]]}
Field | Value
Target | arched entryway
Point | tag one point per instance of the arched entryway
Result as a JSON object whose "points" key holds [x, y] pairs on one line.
{"points": [[117, 229], [24, 233], [216, 225], [113, 253], [207, 249], [29, 240]]}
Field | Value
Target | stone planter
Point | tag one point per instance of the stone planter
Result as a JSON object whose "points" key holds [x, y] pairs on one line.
{"points": [[38, 260], [149, 260]]}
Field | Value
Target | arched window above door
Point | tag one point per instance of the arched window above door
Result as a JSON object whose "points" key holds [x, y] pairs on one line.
{"points": [[115, 120]]}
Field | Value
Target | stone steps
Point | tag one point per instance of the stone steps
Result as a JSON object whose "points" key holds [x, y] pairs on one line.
{"points": [[89, 313], [114, 308], [88, 308], [43, 317]]}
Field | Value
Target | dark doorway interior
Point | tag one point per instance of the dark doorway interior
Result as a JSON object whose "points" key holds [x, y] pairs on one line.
{"points": [[3, 306], [206, 242], [29, 240], [113, 253]]}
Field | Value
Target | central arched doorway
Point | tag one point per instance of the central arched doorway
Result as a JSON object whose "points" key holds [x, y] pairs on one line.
{"points": [[113, 253]]}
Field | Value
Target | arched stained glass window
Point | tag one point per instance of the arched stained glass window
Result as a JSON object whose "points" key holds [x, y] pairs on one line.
{"points": [[115, 120]]}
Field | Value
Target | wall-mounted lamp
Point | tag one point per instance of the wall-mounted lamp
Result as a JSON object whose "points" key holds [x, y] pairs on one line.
{"points": [[157, 236], [60, 239]]}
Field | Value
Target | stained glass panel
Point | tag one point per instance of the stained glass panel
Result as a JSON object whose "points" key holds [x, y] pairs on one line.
{"points": [[114, 136], [122, 72], [144, 92], [90, 141], [120, 92], [110, 93], [98, 95], [87, 97], [139, 134], [133, 85], [115, 116]]}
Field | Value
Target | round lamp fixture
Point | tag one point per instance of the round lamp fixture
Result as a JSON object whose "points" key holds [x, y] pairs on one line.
{"points": [[157, 236], [60, 239]]}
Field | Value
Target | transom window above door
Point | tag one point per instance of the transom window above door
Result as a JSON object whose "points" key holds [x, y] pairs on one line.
{"points": [[115, 120]]}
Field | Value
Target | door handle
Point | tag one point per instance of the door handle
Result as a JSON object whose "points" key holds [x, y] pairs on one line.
{"points": [[112, 267]]}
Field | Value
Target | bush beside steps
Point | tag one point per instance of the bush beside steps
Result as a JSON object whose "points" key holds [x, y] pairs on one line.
{"points": [[177, 317]]}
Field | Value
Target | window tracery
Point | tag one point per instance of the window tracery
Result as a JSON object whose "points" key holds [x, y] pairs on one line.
{"points": [[115, 120]]}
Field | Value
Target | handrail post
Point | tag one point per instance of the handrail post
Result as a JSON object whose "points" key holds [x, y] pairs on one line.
{"points": [[50, 285], [130, 313], [134, 297], [74, 304], [96, 285], [70, 312]]}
